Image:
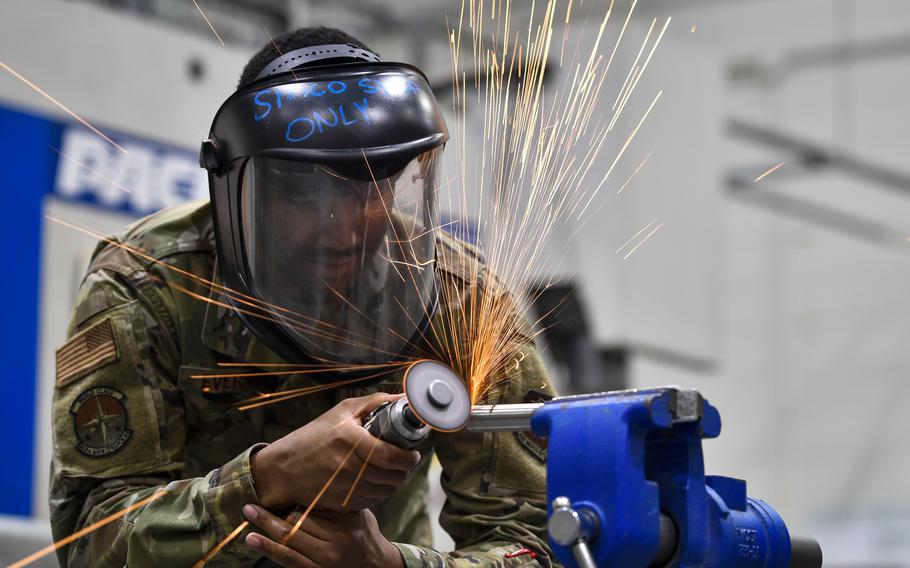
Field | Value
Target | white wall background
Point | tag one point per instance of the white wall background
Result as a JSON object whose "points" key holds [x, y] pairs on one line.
{"points": [[797, 333], [807, 328]]}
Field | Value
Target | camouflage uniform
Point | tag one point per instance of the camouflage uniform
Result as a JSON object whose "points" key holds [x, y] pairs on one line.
{"points": [[129, 420]]}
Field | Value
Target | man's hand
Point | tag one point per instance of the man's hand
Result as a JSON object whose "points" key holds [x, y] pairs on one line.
{"points": [[293, 469], [347, 539]]}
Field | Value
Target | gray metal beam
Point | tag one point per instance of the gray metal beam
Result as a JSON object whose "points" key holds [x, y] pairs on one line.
{"points": [[812, 155], [741, 185]]}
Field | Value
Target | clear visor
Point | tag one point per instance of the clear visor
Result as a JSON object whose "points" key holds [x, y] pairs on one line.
{"points": [[345, 266]]}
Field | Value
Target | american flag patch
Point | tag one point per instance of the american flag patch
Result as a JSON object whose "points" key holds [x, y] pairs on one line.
{"points": [[86, 351]]}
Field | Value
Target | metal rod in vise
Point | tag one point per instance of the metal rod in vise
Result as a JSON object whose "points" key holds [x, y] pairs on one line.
{"points": [[502, 417], [686, 406]]}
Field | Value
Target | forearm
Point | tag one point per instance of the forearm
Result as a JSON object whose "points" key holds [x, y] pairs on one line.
{"points": [[171, 524]]}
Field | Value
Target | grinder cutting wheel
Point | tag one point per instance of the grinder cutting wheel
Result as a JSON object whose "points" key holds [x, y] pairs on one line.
{"points": [[436, 399]]}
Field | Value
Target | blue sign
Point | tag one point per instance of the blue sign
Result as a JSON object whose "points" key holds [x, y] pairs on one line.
{"points": [[41, 157], [145, 178]]}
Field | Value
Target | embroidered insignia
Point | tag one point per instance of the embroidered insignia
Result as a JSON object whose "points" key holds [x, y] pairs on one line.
{"points": [[86, 351], [224, 385], [100, 421], [536, 445]]}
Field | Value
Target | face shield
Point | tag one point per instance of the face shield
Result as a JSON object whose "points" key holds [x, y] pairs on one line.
{"points": [[350, 260], [323, 186]]}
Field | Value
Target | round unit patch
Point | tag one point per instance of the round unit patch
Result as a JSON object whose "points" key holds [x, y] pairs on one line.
{"points": [[100, 422]]}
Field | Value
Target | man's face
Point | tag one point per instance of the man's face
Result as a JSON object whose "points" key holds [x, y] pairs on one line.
{"points": [[333, 234], [314, 236], [350, 262]]}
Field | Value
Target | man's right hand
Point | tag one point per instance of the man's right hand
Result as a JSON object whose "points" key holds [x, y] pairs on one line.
{"points": [[293, 469]]}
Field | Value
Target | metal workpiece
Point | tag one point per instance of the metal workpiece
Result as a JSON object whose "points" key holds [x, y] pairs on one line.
{"points": [[502, 417], [437, 396], [684, 406]]}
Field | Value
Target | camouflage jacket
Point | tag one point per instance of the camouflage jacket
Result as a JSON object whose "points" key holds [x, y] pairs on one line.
{"points": [[130, 420]]}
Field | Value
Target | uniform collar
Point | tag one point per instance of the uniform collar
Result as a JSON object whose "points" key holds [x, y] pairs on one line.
{"points": [[224, 332]]}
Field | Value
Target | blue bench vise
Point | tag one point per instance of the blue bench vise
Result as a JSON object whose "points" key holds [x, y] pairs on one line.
{"points": [[627, 488], [626, 481]]}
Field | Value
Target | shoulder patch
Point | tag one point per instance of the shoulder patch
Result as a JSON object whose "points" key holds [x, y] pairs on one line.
{"points": [[86, 351], [460, 259], [100, 422], [534, 396], [536, 445]]}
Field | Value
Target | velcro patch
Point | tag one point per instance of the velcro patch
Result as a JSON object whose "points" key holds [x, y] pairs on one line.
{"points": [[86, 351], [534, 396], [100, 421], [220, 384], [536, 445]]}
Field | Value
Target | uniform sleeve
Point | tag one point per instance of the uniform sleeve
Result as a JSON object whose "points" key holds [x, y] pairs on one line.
{"points": [[118, 425], [495, 485]]}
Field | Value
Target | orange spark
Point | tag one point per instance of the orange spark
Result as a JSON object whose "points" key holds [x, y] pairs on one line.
{"points": [[322, 369], [281, 396], [635, 67], [319, 495], [769, 172], [643, 162], [88, 169], [275, 45], [622, 150], [419, 265], [61, 106], [648, 236], [81, 533], [621, 31], [693, 29], [256, 364], [208, 22], [627, 243], [195, 125], [360, 473], [227, 540], [428, 231], [634, 84], [271, 310]]}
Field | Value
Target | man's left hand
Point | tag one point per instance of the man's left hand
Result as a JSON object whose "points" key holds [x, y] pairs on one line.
{"points": [[346, 539]]}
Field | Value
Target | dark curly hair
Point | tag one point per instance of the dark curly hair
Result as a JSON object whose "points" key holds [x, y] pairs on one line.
{"points": [[296, 39]]}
